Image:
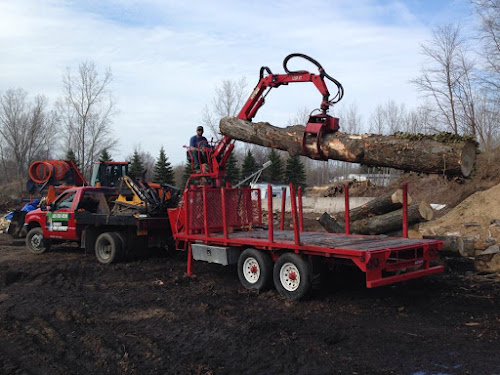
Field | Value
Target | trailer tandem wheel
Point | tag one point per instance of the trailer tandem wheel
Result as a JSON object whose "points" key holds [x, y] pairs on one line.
{"points": [[292, 276], [108, 247], [35, 241], [254, 269]]}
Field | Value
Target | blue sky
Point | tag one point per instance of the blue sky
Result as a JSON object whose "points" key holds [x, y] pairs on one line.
{"points": [[168, 56]]}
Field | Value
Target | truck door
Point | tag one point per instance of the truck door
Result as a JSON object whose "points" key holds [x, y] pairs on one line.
{"points": [[61, 217]]}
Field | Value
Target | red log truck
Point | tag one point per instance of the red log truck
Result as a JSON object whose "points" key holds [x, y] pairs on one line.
{"points": [[221, 224]]}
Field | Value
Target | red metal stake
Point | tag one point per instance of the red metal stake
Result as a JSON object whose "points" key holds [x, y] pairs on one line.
{"points": [[346, 195], [301, 216], [224, 217], [205, 211], [270, 228], [295, 220], [405, 209], [188, 208], [283, 202], [189, 271]]}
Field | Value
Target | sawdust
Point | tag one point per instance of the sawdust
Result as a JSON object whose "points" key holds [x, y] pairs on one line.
{"points": [[478, 216]]}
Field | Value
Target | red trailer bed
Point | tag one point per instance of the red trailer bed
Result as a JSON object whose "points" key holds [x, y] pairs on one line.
{"points": [[232, 218]]}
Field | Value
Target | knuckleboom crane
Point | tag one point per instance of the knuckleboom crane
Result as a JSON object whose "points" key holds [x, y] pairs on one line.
{"points": [[317, 125]]}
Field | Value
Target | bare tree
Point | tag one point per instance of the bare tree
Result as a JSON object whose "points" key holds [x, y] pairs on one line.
{"points": [[489, 13], [442, 76], [488, 120], [227, 101], [350, 119], [26, 128], [86, 112], [376, 121]]}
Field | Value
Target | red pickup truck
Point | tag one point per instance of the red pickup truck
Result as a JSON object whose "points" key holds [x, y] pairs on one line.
{"points": [[83, 215]]}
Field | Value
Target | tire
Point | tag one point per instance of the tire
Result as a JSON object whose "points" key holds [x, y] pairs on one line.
{"points": [[35, 241], [108, 248], [254, 269], [292, 276]]}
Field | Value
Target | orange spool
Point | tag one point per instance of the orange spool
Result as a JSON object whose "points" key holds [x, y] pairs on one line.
{"points": [[42, 171]]}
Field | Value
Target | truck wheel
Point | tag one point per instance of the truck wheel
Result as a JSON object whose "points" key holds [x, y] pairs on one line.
{"points": [[254, 269], [292, 276], [108, 248], [35, 241]]}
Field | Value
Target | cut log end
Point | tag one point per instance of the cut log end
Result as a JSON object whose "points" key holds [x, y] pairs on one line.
{"points": [[468, 159], [397, 197], [426, 211]]}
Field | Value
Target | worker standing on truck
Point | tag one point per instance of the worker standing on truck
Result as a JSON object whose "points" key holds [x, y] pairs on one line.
{"points": [[196, 144]]}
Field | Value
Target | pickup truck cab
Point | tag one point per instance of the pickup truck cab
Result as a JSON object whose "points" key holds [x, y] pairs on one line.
{"points": [[85, 215]]}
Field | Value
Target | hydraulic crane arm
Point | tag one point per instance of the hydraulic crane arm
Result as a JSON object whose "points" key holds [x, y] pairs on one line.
{"points": [[317, 124]]}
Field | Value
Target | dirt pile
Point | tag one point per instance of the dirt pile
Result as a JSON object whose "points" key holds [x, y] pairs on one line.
{"points": [[477, 220]]}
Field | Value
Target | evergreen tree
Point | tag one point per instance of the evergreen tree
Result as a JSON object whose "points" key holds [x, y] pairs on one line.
{"points": [[295, 172], [136, 168], [70, 155], [249, 165], [187, 172], [273, 173], [232, 170], [163, 171], [105, 156]]}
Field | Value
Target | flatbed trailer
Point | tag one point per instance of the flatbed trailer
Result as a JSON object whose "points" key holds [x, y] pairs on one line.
{"points": [[224, 225]]}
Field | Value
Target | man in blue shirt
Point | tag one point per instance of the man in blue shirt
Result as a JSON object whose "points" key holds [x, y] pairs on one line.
{"points": [[196, 144]]}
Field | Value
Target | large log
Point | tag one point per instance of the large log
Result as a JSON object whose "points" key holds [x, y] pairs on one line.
{"points": [[381, 205], [451, 156], [381, 224]]}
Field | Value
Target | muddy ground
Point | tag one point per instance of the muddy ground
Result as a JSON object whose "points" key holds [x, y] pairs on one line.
{"points": [[63, 313]]}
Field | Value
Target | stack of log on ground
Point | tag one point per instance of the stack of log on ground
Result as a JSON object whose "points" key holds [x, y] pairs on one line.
{"points": [[382, 215]]}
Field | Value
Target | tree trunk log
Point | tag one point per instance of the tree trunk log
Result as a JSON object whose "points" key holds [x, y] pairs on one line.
{"points": [[423, 154], [378, 206], [381, 224]]}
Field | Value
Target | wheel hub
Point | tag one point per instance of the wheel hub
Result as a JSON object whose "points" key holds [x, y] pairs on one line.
{"points": [[251, 270], [290, 277], [36, 241]]}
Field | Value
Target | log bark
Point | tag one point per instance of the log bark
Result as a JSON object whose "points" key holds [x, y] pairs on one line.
{"points": [[381, 224], [378, 206], [465, 246], [406, 153]]}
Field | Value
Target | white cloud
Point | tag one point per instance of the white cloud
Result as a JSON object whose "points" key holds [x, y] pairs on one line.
{"points": [[167, 56]]}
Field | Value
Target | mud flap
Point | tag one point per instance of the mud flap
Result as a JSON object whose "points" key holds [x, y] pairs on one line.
{"points": [[16, 226]]}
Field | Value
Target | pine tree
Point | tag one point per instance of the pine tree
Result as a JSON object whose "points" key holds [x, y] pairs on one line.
{"points": [[232, 170], [105, 156], [187, 172], [163, 171], [249, 165], [295, 172], [273, 173], [136, 166], [70, 155]]}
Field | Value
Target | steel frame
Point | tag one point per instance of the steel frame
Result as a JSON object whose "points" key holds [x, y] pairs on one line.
{"points": [[409, 256]]}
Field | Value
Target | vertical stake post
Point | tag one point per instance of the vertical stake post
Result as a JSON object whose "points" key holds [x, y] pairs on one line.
{"points": [[301, 215], [270, 228], [283, 202], [405, 209], [295, 219], [347, 221]]}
